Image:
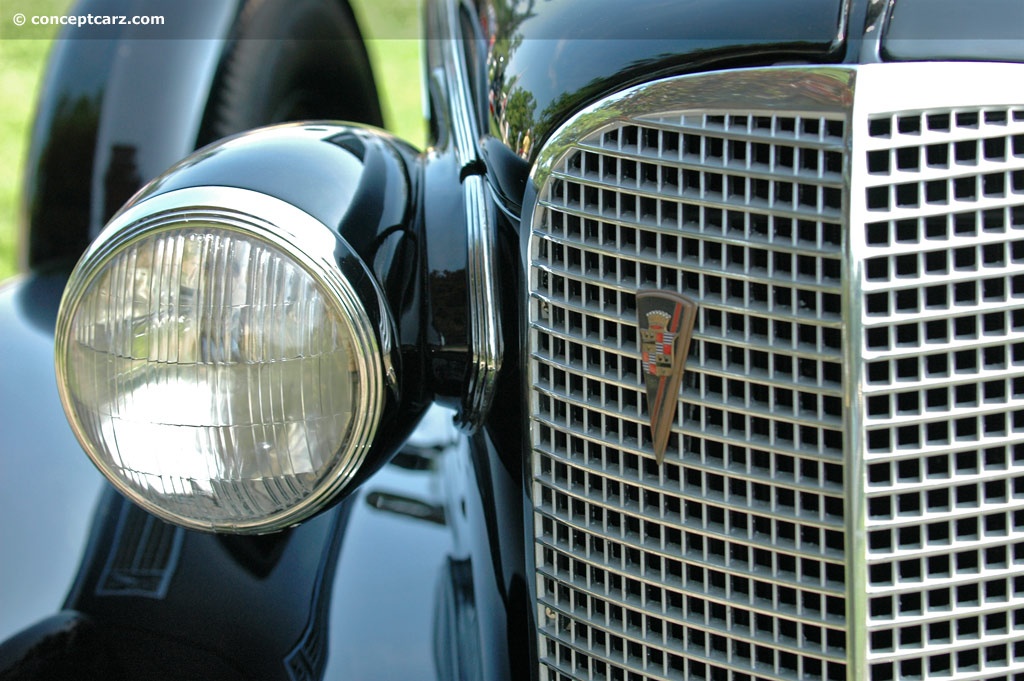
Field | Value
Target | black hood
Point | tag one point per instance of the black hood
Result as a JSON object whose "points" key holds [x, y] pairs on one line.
{"points": [[545, 59]]}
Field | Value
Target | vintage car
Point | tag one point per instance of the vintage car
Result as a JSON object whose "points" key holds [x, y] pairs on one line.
{"points": [[691, 347]]}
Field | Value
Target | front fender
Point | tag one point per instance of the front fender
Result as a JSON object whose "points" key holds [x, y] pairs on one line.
{"points": [[48, 488], [119, 105], [334, 598]]}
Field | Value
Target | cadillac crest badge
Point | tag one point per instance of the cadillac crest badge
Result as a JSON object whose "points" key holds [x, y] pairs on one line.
{"points": [[666, 326]]}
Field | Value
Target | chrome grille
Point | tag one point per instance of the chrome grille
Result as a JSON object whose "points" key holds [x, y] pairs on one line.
{"points": [[728, 558], [944, 345], [806, 522]]}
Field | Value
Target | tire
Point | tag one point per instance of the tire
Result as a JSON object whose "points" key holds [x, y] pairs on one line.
{"points": [[292, 60]]}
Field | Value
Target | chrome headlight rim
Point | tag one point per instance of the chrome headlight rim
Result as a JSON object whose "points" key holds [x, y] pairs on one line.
{"points": [[309, 244]]}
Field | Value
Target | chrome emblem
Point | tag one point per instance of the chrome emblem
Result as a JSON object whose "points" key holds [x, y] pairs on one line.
{"points": [[666, 327]]}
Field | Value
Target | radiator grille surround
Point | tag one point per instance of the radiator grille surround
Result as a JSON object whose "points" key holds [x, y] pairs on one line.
{"points": [[774, 542]]}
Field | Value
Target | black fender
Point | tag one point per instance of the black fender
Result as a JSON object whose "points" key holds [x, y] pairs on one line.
{"points": [[116, 108], [379, 587], [334, 598], [120, 104], [47, 486]]}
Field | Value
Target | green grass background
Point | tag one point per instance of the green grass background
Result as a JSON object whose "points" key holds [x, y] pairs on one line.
{"points": [[391, 27]]}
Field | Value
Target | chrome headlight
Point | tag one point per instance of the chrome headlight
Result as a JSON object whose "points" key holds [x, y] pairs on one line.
{"points": [[219, 357]]}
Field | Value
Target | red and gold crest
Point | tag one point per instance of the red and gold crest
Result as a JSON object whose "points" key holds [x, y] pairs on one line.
{"points": [[666, 326]]}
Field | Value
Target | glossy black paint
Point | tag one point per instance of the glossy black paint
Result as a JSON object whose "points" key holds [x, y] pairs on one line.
{"points": [[121, 104], [446, 285], [68, 645], [40, 460], [395, 609], [547, 59], [281, 581], [329, 599], [117, 108]]}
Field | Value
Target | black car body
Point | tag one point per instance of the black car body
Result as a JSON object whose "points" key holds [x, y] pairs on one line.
{"points": [[837, 186]]}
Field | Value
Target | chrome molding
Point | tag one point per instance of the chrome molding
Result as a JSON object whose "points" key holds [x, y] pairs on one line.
{"points": [[143, 557], [464, 125], [485, 320], [846, 232], [486, 343]]}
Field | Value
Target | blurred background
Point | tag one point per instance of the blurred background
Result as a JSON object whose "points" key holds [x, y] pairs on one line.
{"points": [[391, 26]]}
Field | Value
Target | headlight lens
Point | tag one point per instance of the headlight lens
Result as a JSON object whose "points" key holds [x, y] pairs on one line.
{"points": [[221, 370]]}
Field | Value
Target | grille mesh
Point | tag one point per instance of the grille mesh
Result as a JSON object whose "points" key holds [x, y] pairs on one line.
{"points": [[944, 344], [727, 561], [744, 556]]}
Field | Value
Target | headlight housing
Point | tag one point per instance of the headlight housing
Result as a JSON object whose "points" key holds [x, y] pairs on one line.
{"points": [[222, 356]]}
